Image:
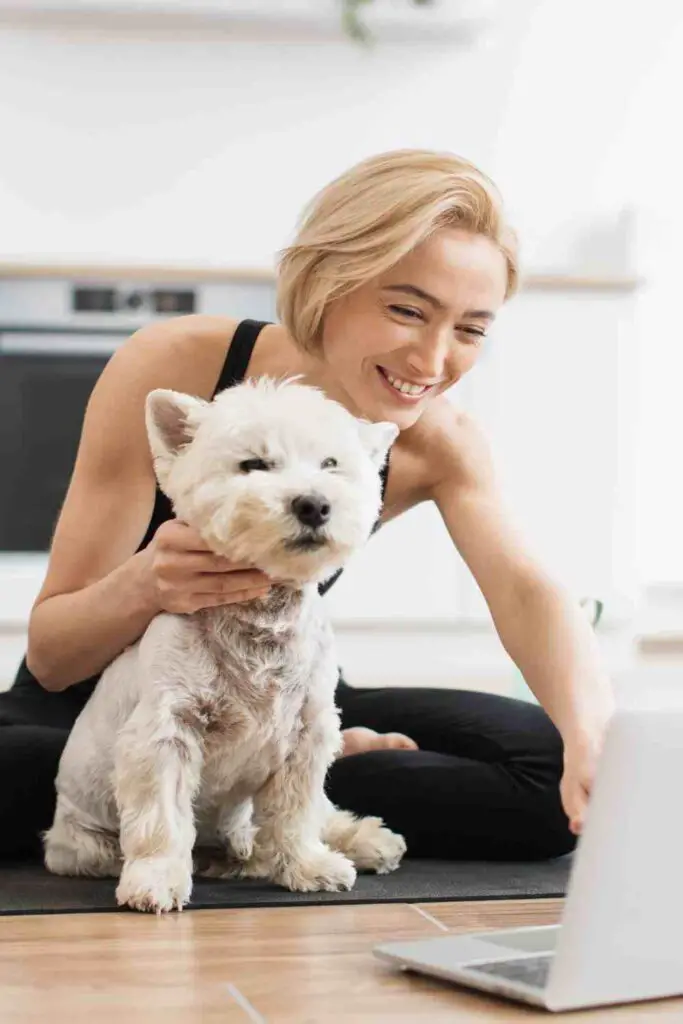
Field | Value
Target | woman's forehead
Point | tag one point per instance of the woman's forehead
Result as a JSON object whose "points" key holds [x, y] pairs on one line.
{"points": [[473, 281]]}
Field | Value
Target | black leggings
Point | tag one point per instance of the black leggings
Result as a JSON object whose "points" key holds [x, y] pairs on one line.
{"points": [[484, 784]]}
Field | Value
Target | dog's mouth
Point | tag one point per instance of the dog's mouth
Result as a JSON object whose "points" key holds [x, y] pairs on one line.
{"points": [[308, 541]]}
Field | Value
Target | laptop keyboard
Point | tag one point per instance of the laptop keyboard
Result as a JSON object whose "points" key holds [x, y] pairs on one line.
{"points": [[533, 970]]}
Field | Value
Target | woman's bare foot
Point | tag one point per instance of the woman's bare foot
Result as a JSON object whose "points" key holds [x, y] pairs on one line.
{"points": [[359, 740]]}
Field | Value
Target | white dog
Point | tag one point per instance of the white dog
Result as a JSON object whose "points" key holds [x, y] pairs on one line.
{"points": [[216, 728]]}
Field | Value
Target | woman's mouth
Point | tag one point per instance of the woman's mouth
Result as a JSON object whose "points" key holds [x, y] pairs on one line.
{"points": [[403, 390]]}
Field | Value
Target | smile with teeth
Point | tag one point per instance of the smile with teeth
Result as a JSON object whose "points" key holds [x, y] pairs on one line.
{"points": [[404, 386]]}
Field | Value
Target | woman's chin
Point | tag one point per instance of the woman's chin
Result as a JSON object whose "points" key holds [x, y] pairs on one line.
{"points": [[402, 418]]}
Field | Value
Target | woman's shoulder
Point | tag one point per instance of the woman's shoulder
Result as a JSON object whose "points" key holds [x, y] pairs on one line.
{"points": [[446, 442], [199, 344], [187, 353], [184, 353]]}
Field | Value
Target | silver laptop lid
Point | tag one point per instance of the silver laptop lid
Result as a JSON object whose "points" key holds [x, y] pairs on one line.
{"points": [[621, 927]]}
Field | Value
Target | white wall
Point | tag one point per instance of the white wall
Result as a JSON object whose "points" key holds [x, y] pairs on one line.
{"points": [[199, 147], [647, 156], [580, 71], [196, 147]]}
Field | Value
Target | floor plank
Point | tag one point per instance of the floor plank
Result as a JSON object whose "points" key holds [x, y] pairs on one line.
{"points": [[290, 965], [483, 915]]}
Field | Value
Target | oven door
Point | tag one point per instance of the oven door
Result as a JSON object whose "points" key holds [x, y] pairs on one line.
{"points": [[45, 381]]}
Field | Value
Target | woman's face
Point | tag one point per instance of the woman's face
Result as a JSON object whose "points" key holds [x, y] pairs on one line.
{"points": [[419, 327]]}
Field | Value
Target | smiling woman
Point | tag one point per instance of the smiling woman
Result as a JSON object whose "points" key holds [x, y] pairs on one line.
{"points": [[422, 227], [385, 297]]}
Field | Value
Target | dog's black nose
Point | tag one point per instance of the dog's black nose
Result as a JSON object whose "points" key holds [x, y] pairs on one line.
{"points": [[311, 510]]}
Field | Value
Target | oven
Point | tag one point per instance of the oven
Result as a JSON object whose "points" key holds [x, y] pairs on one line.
{"points": [[55, 339], [45, 382]]}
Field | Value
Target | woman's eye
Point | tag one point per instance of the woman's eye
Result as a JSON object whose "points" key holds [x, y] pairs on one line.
{"points": [[474, 332], [406, 311], [329, 464], [249, 465]]}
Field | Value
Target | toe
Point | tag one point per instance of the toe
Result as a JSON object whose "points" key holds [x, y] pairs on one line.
{"points": [[398, 741]]}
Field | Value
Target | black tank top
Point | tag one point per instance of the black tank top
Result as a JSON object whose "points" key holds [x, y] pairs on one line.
{"points": [[233, 372]]}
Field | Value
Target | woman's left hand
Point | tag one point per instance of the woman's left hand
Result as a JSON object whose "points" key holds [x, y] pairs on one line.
{"points": [[580, 764]]}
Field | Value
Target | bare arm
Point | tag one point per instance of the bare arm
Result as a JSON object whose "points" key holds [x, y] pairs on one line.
{"points": [[99, 595], [539, 623], [94, 601]]}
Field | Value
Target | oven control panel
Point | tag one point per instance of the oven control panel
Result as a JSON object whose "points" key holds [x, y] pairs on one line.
{"points": [[164, 301]]}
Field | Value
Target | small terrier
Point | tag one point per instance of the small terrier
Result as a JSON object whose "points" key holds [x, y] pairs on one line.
{"points": [[213, 733]]}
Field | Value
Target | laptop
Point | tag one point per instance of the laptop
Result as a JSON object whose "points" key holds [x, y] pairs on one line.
{"points": [[620, 938]]}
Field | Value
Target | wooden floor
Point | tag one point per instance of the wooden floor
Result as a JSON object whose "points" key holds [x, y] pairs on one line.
{"points": [[298, 965]]}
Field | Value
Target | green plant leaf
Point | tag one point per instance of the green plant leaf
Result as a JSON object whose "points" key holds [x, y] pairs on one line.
{"points": [[354, 27]]}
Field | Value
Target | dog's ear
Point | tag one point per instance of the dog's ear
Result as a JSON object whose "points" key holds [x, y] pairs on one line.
{"points": [[377, 439], [171, 419]]}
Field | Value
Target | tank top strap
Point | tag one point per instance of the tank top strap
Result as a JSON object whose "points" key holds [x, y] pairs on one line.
{"points": [[384, 477], [239, 353]]}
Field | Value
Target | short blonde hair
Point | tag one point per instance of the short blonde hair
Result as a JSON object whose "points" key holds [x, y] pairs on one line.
{"points": [[372, 215]]}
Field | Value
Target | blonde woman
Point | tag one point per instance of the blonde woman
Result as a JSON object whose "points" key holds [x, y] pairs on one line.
{"points": [[385, 299]]}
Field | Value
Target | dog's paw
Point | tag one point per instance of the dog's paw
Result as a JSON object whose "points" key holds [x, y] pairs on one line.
{"points": [[374, 847], [226, 865], [365, 841], [258, 866], [325, 870], [222, 867], [241, 842], [156, 884]]}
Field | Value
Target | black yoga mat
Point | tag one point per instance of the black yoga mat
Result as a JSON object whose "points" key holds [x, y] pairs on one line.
{"points": [[30, 889]]}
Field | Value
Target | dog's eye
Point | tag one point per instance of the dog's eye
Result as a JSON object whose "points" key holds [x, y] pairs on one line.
{"points": [[249, 465], [329, 464]]}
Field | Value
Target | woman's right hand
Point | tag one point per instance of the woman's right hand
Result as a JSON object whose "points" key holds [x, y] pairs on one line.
{"points": [[186, 575]]}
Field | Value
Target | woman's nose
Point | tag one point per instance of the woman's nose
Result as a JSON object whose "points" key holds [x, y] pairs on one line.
{"points": [[431, 361]]}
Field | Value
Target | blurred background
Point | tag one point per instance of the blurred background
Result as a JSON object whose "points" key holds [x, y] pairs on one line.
{"points": [[155, 156]]}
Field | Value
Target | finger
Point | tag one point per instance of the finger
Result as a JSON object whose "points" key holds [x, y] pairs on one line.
{"points": [[249, 595], [186, 538], [190, 562], [225, 582], [568, 805], [576, 811], [229, 582], [216, 563], [214, 600]]}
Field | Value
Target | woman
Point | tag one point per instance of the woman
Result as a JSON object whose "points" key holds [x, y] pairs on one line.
{"points": [[385, 300]]}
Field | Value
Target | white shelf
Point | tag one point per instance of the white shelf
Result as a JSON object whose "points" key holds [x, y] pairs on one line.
{"points": [[386, 20], [91, 270]]}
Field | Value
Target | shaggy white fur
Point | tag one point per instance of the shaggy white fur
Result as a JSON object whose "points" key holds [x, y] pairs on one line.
{"points": [[213, 733]]}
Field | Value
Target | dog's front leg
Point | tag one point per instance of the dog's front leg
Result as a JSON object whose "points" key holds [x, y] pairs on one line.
{"points": [[157, 771], [289, 813]]}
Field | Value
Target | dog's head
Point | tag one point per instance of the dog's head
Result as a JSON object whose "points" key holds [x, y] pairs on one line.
{"points": [[270, 473]]}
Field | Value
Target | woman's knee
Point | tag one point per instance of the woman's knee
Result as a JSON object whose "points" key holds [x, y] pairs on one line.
{"points": [[540, 744], [547, 830], [539, 769], [543, 826]]}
